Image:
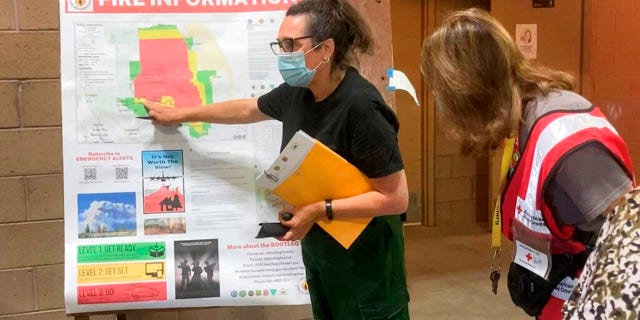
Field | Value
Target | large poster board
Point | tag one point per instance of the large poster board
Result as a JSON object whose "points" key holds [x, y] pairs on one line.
{"points": [[166, 217]]}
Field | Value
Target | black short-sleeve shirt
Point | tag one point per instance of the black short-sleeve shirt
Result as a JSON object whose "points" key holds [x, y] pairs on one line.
{"points": [[353, 120]]}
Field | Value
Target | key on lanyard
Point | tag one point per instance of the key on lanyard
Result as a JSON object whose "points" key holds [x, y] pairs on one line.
{"points": [[494, 277]]}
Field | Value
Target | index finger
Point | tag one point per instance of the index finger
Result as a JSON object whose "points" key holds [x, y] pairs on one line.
{"points": [[287, 236], [150, 104]]}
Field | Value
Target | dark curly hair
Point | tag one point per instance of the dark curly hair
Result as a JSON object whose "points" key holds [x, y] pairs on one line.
{"points": [[340, 21]]}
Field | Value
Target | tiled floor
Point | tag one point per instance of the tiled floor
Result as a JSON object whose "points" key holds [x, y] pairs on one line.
{"points": [[449, 278]]}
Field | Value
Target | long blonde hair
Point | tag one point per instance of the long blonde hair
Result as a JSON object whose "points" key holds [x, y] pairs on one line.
{"points": [[480, 79]]}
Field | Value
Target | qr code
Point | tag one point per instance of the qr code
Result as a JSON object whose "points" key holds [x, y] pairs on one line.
{"points": [[122, 173], [90, 174]]}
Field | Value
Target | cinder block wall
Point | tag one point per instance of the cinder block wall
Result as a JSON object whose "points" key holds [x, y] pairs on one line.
{"points": [[462, 185], [31, 226]]}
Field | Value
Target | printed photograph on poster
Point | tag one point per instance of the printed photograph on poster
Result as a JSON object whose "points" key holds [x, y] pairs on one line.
{"points": [[165, 226], [102, 215], [197, 269], [527, 40], [163, 181]]}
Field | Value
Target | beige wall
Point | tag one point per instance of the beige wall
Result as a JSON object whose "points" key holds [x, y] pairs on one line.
{"points": [[407, 19], [31, 222], [559, 30]]}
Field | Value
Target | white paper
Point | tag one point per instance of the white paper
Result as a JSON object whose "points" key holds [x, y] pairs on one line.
{"points": [[143, 204], [399, 81], [531, 259], [527, 40], [287, 162]]}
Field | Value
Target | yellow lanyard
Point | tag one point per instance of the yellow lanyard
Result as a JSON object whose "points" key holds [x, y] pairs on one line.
{"points": [[496, 226]]}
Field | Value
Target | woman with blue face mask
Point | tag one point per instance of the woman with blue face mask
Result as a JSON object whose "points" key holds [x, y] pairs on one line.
{"points": [[292, 65], [327, 98]]}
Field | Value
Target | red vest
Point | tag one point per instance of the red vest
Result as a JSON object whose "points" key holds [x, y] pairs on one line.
{"points": [[550, 139]]}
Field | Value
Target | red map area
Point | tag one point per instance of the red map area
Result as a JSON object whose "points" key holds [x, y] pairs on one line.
{"points": [[164, 71]]}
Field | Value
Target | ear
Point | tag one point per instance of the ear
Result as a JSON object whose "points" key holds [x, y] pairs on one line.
{"points": [[328, 47]]}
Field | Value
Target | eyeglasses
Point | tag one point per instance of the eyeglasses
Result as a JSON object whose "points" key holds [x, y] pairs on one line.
{"points": [[286, 45]]}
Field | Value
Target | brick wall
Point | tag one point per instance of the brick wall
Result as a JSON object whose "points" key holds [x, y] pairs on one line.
{"points": [[31, 226], [462, 185]]}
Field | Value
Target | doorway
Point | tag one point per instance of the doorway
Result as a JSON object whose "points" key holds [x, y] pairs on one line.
{"points": [[426, 154]]}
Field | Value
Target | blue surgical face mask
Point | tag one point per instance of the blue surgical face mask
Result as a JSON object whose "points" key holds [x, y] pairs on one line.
{"points": [[293, 68]]}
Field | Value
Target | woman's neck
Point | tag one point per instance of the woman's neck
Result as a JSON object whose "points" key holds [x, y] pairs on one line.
{"points": [[329, 86]]}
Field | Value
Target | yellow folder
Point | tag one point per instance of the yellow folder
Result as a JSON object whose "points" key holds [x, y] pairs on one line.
{"points": [[307, 171]]}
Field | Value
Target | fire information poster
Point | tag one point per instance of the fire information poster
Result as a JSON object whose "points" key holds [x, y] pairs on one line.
{"points": [[167, 217]]}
